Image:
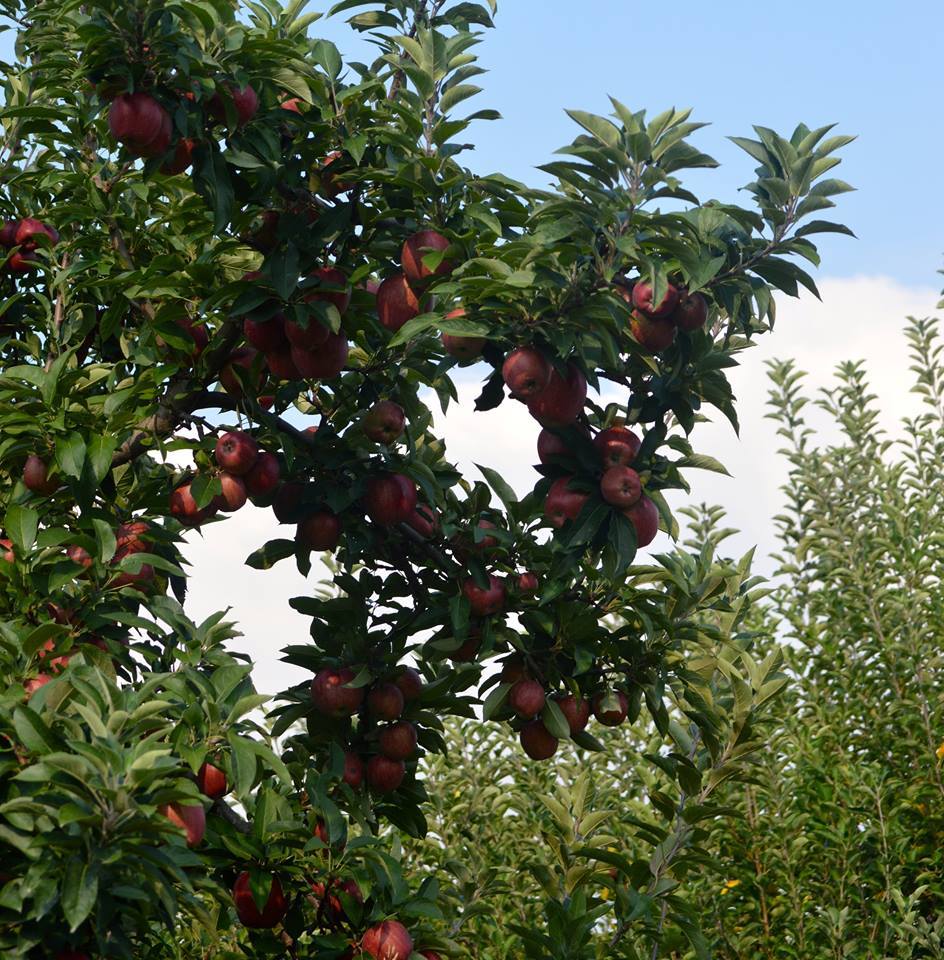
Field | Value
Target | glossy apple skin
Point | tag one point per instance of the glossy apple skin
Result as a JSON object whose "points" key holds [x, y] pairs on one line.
{"points": [[36, 476], [410, 684], [485, 602], [644, 516], [537, 741], [396, 303], [462, 348], [137, 121], [305, 338], [398, 741], [323, 363], [263, 478], [424, 520], [654, 335], [383, 774], [620, 486], [281, 365], [319, 531], [330, 278], [384, 422], [190, 818], [390, 498], [691, 312], [267, 335], [576, 711], [245, 102], [526, 698], [353, 774], [561, 401], [211, 781], [276, 906], [386, 702], [234, 495], [181, 159], [420, 245], [184, 507], [562, 503], [526, 372], [236, 452], [642, 300], [331, 695], [610, 714], [527, 584], [389, 940], [618, 446]]}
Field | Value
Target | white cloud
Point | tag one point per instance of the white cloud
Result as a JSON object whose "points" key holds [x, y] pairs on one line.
{"points": [[859, 318]]}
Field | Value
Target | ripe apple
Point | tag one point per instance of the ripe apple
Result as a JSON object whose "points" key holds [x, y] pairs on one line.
{"points": [[138, 121], [551, 445], [610, 707], [383, 774], [618, 446], [190, 819], [468, 651], [654, 335], [353, 774], [330, 908], [324, 363], [526, 698], [236, 452], [424, 520], [320, 530], [384, 422], [561, 401], [181, 159], [410, 684], [331, 695], [396, 302], [332, 288], [576, 711], [620, 486], [562, 503], [184, 507], [691, 312], [287, 504], [244, 358], [389, 940], [36, 476], [281, 365], [537, 741], [141, 579], [263, 478], [331, 185], [130, 538], [8, 555], [211, 781], [276, 906], [421, 245], [245, 102], [306, 338], [488, 601], [390, 498], [385, 702], [234, 493], [8, 233], [32, 685], [79, 555], [462, 348], [481, 543], [642, 300], [527, 584], [293, 104], [644, 516], [514, 669], [526, 372], [398, 741], [267, 335]]}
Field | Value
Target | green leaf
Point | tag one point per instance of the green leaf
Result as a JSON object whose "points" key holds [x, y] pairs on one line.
{"points": [[269, 555], [79, 892], [555, 721], [497, 483], [21, 524], [33, 732], [70, 455]]}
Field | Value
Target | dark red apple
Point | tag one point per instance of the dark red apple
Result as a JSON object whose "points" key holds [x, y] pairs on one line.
{"points": [[245, 359], [618, 446], [234, 493], [267, 335], [562, 503], [385, 702], [332, 288], [642, 300], [610, 707], [410, 684], [526, 372], [527, 584], [141, 579], [211, 781], [488, 601], [537, 741], [353, 774], [396, 302], [398, 741], [576, 711], [644, 516], [190, 819], [691, 312], [36, 476], [137, 121], [287, 504], [26, 238], [323, 363], [420, 245], [79, 555], [384, 775], [245, 102], [482, 541], [320, 530], [331, 695], [384, 422], [468, 651], [306, 338], [281, 365], [8, 233], [182, 158], [620, 486], [389, 940], [131, 538], [654, 335], [236, 452], [390, 498], [424, 520], [275, 908], [561, 401], [551, 445], [526, 698], [263, 478]]}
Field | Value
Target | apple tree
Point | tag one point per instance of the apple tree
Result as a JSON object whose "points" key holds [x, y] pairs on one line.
{"points": [[238, 269]]}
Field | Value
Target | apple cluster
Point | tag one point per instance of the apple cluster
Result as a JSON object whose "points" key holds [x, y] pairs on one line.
{"points": [[654, 325], [21, 238]]}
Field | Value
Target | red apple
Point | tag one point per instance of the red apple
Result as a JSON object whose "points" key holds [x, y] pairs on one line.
{"points": [[245, 358], [190, 819], [620, 486], [691, 312], [424, 520], [324, 363], [32, 685], [420, 245], [267, 335], [332, 288], [293, 104], [320, 530], [396, 302], [576, 711], [276, 906], [385, 702], [181, 159], [138, 121], [390, 498], [537, 741], [36, 476], [27, 232], [484, 542], [263, 478], [398, 741], [287, 505], [644, 516], [462, 348], [234, 493], [642, 300], [389, 940], [610, 707], [79, 555], [281, 365], [8, 555], [306, 338], [184, 507], [245, 102], [384, 775], [654, 335], [8, 233], [130, 538], [550, 445], [353, 774], [526, 372], [331, 695], [488, 601], [617, 445], [141, 579], [410, 684], [561, 401], [384, 422], [236, 452], [527, 584], [562, 503], [211, 781], [526, 698]]}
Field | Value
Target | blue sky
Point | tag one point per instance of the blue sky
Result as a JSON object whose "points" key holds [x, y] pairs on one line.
{"points": [[873, 68]]}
